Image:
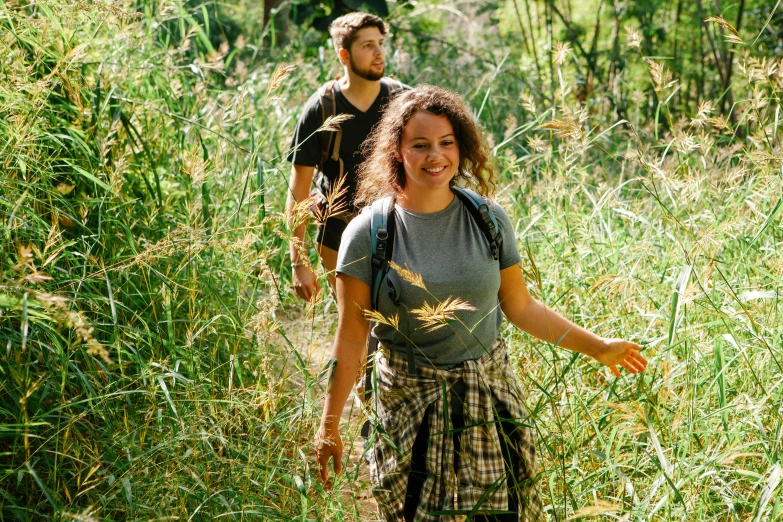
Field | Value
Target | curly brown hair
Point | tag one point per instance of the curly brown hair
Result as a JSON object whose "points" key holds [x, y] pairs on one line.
{"points": [[382, 173]]}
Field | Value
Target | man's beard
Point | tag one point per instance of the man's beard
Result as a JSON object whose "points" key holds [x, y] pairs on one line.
{"points": [[368, 74]]}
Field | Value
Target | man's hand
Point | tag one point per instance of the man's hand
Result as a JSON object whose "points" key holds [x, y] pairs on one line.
{"points": [[328, 444], [616, 352], [305, 282]]}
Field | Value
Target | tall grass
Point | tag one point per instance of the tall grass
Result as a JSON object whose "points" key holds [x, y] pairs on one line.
{"points": [[143, 375], [154, 366], [673, 241]]}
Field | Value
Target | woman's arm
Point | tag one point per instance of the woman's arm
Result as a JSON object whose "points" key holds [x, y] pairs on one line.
{"points": [[353, 297], [537, 319]]}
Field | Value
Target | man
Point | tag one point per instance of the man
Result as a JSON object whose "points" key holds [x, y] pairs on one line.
{"points": [[360, 94]]}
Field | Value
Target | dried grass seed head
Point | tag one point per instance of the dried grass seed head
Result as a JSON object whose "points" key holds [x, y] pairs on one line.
{"points": [[435, 317], [408, 275], [566, 128], [633, 39], [561, 51], [733, 36], [661, 76], [281, 72]]}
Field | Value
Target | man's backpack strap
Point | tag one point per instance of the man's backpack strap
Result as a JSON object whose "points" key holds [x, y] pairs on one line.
{"points": [[331, 145], [482, 214], [382, 227], [331, 148], [392, 86]]}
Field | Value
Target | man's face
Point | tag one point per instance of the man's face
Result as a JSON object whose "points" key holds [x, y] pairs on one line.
{"points": [[366, 55]]}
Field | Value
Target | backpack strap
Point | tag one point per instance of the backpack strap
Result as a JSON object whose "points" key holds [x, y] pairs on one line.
{"points": [[382, 227], [331, 145], [392, 86], [331, 149], [482, 214]]}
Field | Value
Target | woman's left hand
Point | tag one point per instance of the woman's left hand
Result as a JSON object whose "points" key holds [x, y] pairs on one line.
{"points": [[618, 352]]}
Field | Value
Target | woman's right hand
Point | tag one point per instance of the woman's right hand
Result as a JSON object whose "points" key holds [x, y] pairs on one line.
{"points": [[305, 282], [618, 352], [329, 445]]}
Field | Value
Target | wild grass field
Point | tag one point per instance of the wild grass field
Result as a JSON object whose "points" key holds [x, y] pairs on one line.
{"points": [[155, 364]]}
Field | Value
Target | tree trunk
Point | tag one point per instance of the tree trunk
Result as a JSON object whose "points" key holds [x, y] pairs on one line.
{"points": [[677, 66], [549, 51], [268, 6], [592, 57], [730, 64], [614, 56], [700, 84], [573, 39], [715, 53], [276, 35], [532, 36], [521, 27]]}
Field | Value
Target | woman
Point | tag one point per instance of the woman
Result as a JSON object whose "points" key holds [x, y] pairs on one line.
{"points": [[453, 423]]}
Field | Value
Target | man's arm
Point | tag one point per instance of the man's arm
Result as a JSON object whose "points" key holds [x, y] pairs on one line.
{"points": [[305, 281]]}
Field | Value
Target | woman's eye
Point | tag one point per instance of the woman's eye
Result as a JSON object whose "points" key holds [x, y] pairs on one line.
{"points": [[419, 146], [446, 143]]}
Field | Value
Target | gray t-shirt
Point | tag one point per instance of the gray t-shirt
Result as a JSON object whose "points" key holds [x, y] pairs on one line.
{"points": [[452, 255]]}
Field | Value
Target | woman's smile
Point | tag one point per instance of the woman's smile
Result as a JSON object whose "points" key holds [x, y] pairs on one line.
{"points": [[430, 154]]}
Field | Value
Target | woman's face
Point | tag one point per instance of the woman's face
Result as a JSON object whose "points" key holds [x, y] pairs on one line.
{"points": [[429, 152]]}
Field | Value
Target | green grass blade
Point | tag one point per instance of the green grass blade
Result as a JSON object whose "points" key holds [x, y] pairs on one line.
{"points": [[42, 487], [769, 219], [766, 492], [89, 176], [679, 292]]}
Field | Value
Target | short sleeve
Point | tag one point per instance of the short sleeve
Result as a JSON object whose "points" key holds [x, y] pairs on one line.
{"points": [[509, 255], [354, 256], [305, 145]]}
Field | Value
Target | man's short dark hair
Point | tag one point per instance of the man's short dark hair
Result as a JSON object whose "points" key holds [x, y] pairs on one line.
{"points": [[343, 30]]}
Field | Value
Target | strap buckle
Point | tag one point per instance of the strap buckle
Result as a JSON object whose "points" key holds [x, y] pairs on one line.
{"points": [[484, 211], [497, 239], [382, 235]]}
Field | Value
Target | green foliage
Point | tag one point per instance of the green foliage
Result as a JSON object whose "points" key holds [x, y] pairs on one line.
{"points": [[320, 14], [139, 274]]}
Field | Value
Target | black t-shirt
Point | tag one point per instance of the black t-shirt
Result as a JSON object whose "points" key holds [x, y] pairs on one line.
{"points": [[307, 151]]}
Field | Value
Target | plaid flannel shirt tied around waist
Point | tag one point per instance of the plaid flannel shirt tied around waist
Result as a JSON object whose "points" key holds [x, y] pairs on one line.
{"points": [[481, 480]]}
